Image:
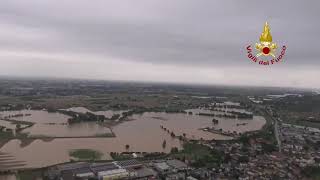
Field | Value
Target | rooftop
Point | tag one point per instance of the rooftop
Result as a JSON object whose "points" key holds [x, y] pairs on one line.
{"points": [[177, 164], [162, 166], [71, 166], [103, 167], [129, 163]]}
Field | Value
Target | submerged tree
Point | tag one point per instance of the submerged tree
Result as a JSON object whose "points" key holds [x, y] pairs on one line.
{"points": [[127, 146], [172, 134], [164, 144], [174, 150]]}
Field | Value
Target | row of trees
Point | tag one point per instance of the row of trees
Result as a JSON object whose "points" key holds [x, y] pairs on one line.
{"points": [[82, 117], [233, 115]]}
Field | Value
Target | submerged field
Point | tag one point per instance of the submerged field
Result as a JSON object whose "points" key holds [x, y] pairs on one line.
{"points": [[142, 133]]}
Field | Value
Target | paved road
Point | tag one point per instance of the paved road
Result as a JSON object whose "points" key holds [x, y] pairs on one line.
{"points": [[277, 134], [276, 128]]}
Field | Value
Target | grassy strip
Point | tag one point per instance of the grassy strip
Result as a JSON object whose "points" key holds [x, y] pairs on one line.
{"points": [[29, 174], [86, 154], [5, 137]]}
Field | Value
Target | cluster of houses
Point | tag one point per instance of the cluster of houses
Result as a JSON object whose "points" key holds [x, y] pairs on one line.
{"points": [[299, 149], [301, 144]]}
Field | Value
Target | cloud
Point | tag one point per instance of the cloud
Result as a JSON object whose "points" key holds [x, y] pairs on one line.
{"points": [[177, 41]]}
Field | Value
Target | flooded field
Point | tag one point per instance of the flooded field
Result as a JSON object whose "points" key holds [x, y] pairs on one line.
{"points": [[142, 134], [107, 114], [8, 177], [35, 116], [67, 130], [230, 124], [7, 124], [51, 124]]}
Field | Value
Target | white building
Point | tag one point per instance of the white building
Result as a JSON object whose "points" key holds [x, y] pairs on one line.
{"points": [[113, 174]]}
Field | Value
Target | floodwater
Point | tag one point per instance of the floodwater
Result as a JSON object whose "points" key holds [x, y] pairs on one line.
{"points": [[67, 130], [231, 124], [8, 177], [52, 124], [7, 124], [37, 116], [142, 134], [107, 114]]}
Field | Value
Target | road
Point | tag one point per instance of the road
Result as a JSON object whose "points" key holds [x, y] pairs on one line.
{"points": [[277, 134], [276, 126]]}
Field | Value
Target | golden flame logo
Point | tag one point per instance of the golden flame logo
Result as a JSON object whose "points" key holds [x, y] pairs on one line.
{"points": [[266, 46]]}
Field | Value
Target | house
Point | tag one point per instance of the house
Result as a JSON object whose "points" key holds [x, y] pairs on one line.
{"points": [[162, 167], [133, 163], [108, 171], [176, 164], [176, 176], [84, 172], [113, 174]]}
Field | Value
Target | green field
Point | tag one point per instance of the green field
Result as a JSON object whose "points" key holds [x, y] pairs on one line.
{"points": [[85, 154]]}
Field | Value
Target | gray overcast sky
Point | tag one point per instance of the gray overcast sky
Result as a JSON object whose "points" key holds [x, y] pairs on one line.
{"points": [[188, 41]]}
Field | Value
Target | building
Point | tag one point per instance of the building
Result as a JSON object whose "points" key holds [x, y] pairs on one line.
{"points": [[136, 169], [72, 170], [108, 171], [162, 167], [176, 176], [113, 174], [129, 169], [129, 163], [84, 173], [177, 165], [191, 178]]}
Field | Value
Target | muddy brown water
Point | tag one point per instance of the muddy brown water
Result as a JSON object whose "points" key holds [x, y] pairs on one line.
{"points": [[52, 124], [8, 177], [65, 130], [143, 134], [37, 116]]}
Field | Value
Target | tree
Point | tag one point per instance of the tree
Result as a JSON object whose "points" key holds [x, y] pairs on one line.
{"points": [[269, 147], [172, 134], [174, 150], [115, 117], [127, 146], [164, 144]]}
